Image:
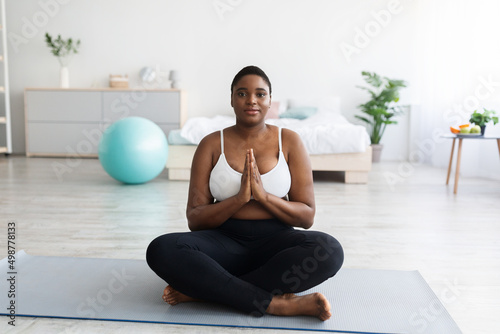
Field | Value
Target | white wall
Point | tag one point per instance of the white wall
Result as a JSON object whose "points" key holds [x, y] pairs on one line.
{"points": [[459, 72], [298, 43]]}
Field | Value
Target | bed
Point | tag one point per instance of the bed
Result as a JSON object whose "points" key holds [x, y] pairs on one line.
{"points": [[333, 143]]}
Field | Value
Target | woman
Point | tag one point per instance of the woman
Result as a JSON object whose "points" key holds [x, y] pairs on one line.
{"points": [[251, 185]]}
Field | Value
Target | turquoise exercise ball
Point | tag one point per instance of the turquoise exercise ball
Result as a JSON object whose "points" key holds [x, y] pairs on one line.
{"points": [[133, 150]]}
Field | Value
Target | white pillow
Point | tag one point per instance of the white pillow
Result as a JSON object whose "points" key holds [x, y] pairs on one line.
{"points": [[329, 104]]}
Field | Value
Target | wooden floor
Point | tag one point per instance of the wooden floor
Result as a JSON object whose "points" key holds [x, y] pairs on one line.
{"points": [[405, 218]]}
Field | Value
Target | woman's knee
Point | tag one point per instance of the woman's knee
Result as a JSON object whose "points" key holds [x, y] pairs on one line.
{"points": [[329, 252], [160, 249]]}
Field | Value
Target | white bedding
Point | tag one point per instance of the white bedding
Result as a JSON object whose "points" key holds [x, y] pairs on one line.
{"points": [[322, 133]]}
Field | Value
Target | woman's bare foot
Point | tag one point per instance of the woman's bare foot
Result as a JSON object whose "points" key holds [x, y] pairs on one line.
{"points": [[174, 297], [314, 304]]}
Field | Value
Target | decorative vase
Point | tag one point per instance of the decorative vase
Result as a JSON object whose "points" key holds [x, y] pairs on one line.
{"points": [[483, 128], [376, 152], [64, 79]]}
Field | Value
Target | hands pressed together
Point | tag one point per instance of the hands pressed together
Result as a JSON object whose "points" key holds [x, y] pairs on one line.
{"points": [[251, 183], [296, 210]]}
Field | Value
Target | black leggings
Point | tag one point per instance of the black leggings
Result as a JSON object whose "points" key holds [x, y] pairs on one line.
{"points": [[244, 263]]}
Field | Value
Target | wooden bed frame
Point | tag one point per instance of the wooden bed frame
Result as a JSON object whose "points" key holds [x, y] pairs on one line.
{"points": [[355, 165]]}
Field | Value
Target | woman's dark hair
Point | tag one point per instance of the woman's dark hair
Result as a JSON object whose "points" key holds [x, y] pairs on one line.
{"points": [[250, 70]]}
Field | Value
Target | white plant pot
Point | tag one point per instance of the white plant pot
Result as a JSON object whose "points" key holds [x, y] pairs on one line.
{"points": [[376, 152], [64, 77]]}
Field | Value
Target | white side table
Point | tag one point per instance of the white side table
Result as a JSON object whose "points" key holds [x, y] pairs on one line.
{"points": [[459, 153]]}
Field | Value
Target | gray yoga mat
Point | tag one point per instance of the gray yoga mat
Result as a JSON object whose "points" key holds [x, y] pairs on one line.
{"points": [[363, 301]]}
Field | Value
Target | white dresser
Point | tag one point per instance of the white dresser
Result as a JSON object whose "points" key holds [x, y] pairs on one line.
{"points": [[70, 122]]}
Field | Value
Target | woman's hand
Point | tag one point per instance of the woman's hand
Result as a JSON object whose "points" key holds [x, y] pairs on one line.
{"points": [[245, 192], [251, 184], [298, 209], [258, 191], [202, 213]]}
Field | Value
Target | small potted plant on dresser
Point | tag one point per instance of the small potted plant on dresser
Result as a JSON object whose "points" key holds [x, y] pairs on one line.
{"points": [[381, 108], [63, 49], [481, 119]]}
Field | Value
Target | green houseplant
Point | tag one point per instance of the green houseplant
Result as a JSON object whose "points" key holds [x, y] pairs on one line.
{"points": [[483, 118], [63, 49], [381, 109]]}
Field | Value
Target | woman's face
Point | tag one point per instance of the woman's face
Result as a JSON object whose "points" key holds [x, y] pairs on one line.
{"points": [[250, 99]]}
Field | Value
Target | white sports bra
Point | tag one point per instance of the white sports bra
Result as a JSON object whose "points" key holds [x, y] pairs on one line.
{"points": [[226, 182]]}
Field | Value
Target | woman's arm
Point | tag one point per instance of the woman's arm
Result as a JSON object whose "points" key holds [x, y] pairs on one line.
{"points": [[300, 209], [202, 213]]}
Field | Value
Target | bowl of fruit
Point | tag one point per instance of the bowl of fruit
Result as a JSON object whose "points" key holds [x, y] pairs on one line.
{"points": [[466, 130]]}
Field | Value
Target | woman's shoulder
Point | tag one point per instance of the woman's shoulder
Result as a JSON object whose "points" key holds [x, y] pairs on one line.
{"points": [[208, 149], [211, 137], [290, 136], [210, 142], [292, 144], [285, 132]]}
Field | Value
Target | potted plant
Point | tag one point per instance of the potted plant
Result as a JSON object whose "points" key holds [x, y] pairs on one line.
{"points": [[483, 118], [63, 49], [381, 108]]}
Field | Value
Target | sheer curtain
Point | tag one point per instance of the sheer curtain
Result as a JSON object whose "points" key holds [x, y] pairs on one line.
{"points": [[458, 63]]}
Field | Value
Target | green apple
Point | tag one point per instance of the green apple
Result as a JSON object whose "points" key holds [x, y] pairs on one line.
{"points": [[465, 130], [475, 129]]}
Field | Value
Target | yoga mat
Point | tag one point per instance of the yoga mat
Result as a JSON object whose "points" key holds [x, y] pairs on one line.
{"points": [[363, 301]]}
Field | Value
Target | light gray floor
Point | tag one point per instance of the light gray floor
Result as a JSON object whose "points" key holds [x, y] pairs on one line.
{"points": [[418, 224]]}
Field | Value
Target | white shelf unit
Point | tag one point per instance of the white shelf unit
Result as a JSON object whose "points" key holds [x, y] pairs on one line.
{"points": [[68, 122], [5, 124]]}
